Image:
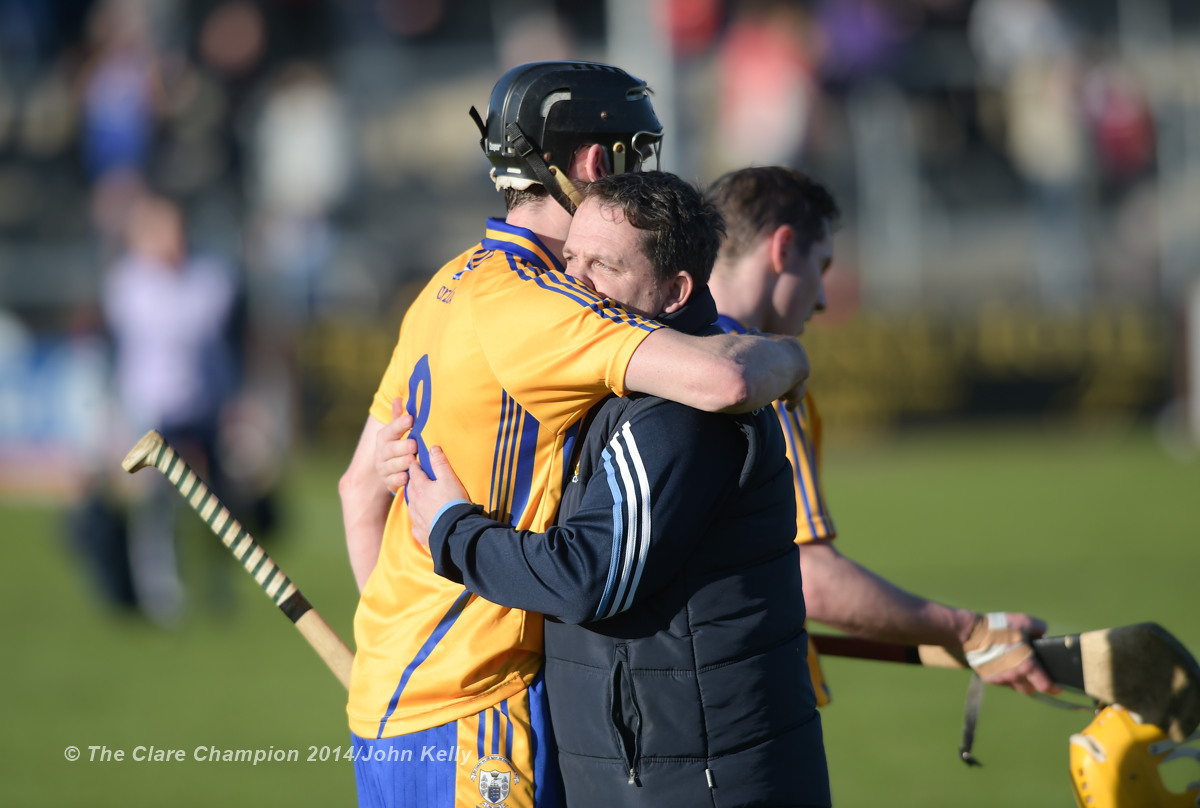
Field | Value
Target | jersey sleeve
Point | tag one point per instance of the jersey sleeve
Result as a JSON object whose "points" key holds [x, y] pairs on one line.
{"points": [[390, 387], [550, 338], [653, 491], [802, 434]]}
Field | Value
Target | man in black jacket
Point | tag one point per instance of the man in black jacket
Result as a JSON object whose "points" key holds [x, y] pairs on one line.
{"points": [[674, 667]]}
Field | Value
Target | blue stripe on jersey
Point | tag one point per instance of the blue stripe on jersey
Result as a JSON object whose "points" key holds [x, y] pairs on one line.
{"points": [[519, 267], [618, 542], [508, 730], [568, 287], [810, 452], [523, 467], [477, 258], [497, 454], [439, 631], [538, 255], [525, 263], [794, 430], [481, 740], [512, 461], [501, 457], [495, 731]]}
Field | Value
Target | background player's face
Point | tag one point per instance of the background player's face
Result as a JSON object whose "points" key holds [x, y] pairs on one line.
{"points": [[799, 291], [603, 252]]}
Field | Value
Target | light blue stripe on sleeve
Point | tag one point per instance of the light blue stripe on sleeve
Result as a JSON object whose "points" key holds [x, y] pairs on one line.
{"points": [[618, 510]]}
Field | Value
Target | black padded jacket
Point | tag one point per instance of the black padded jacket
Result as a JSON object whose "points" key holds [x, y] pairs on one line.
{"points": [[675, 652]]}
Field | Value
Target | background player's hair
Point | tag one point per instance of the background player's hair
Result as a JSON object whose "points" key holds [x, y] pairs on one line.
{"points": [[756, 200], [681, 230]]}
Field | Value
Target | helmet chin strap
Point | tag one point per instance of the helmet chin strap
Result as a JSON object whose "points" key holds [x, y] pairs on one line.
{"points": [[569, 188], [475, 116], [553, 178]]}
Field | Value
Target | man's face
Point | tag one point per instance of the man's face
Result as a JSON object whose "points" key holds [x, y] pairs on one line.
{"points": [[603, 252], [799, 291]]}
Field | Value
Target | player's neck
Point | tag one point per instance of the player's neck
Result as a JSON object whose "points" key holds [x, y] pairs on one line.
{"points": [[547, 219], [738, 299]]}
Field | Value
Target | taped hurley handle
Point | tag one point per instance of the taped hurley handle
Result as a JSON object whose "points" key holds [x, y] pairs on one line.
{"points": [[153, 450]]}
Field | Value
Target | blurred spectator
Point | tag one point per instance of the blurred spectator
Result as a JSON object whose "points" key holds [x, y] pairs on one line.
{"points": [[120, 89], [860, 39], [1121, 134], [766, 87], [1026, 48], [168, 312], [301, 171], [230, 65], [24, 32], [1004, 34], [692, 24], [1118, 117]]}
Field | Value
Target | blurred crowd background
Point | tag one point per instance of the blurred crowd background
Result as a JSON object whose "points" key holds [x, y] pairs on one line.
{"points": [[213, 213]]}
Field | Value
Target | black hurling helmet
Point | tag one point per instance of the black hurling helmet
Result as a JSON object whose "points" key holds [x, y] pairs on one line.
{"points": [[540, 113]]}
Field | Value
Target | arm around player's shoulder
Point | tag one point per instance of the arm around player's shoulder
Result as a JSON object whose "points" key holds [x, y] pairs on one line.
{"points": [[718, 373]]}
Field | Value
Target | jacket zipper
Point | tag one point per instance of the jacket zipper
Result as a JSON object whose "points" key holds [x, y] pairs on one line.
{"points": [[631, 757]]}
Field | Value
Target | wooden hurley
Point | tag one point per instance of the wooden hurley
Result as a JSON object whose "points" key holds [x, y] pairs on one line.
{"points": [[153, 450], [1142, 667]]}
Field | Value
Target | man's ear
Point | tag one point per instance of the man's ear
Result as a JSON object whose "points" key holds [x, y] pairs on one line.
{"points": [[590, 164], [782, 239], [679, 290]]}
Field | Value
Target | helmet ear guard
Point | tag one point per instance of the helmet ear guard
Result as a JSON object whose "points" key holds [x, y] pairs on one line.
{"points": [[1115, 764]]}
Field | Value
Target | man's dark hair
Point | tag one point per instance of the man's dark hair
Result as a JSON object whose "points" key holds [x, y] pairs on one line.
{"points": [[757, 200], [681, 230]]}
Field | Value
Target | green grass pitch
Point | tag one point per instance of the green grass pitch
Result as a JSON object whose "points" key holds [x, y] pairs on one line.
{"points": [[1087, 529]]}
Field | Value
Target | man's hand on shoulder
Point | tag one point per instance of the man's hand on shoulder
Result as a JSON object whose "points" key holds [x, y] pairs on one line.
{"points": [[794, 396], [427, 494]]}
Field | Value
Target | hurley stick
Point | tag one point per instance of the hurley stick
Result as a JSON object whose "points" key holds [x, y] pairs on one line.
{"points": [[1142, 667], [153, 450]]}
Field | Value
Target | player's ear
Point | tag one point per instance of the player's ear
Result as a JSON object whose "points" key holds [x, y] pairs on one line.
{"points": [[679, 289], [781, 239], [590, 164]]}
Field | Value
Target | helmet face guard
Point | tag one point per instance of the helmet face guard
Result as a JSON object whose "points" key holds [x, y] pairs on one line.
{"points": [[541, 113], [1115, 764]]}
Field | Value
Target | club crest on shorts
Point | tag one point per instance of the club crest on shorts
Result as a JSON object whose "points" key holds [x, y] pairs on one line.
{"points": [[494, 775]]}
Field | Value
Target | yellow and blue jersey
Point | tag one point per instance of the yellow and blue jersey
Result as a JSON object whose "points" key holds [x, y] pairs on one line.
{"points": [[497, 360], [802, 431]]}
